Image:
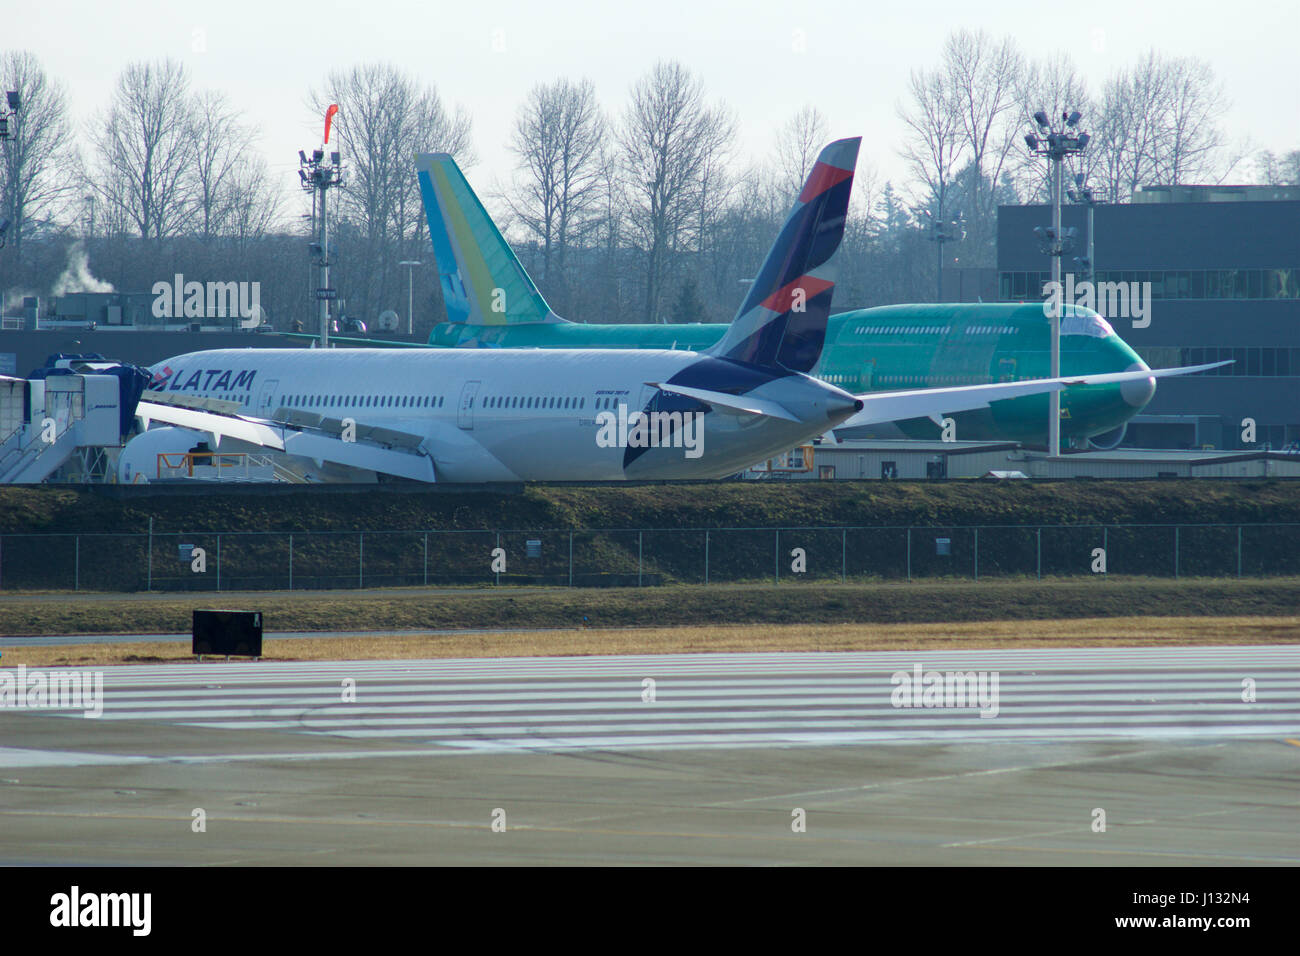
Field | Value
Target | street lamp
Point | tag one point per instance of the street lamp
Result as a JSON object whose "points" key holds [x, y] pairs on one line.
{"points": [[1056, 141], [941, 232], [410, 300]]}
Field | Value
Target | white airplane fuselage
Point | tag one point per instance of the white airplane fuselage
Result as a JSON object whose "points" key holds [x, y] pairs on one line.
{"points": [[521, 414]]}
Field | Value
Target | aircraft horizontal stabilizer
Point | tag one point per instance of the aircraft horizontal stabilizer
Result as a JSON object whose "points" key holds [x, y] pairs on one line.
{"points": [[926, 403], [747, 404]]}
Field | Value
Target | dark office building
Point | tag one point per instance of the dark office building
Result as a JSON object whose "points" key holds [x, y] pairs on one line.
{"points": [[1223, 265]]}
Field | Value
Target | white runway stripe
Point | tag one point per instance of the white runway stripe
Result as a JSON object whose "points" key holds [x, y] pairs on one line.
{"points": [[723, 699]]}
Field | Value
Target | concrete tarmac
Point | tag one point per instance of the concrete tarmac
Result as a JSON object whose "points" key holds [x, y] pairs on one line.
{"points": [[282, 778]]}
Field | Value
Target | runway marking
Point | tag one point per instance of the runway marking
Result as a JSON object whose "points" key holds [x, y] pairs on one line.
{"points": [[711, 700]]}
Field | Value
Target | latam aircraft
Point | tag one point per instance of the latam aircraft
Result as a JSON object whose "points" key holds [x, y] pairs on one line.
{"points": [[867, 350], [462, 415]]}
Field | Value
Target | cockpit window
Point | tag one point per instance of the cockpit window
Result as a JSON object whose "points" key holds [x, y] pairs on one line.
{"points": [[1085, 322]]}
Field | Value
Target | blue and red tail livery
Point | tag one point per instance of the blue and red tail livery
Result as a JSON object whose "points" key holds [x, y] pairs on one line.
{"points": [[782, 322]]}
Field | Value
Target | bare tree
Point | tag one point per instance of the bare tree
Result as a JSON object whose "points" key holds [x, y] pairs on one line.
{"points": [[145, 150], [713, 189], [558, 141], [984, 77], [1274, 170], [667, 133], [798, 144], [1191, 143], [251, 203], [934, 144], [36, 175], [219, 143], [1158, 122]]}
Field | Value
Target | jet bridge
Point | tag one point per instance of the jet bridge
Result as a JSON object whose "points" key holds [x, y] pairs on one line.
{"points": [[67, 419]]}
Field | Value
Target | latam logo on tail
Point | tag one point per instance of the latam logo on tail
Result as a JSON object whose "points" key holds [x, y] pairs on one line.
{"points": [[207, 380]]}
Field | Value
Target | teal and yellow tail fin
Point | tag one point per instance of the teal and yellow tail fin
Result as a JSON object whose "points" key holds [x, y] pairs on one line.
{"points": [[482, 281]]}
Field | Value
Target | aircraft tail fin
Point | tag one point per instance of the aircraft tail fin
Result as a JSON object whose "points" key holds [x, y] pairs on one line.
{"points": [[482, 281], [782, 321]]}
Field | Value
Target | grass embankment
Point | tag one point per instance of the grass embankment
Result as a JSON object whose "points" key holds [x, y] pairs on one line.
{"points": [[116, 509], [795, 603]]}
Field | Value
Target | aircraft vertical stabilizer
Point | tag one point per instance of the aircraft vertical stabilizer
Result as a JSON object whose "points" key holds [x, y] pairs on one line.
{"points": [[482, 281], [783, 319]]}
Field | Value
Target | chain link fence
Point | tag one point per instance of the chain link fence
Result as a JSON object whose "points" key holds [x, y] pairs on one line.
{"points": [[249, 561]]}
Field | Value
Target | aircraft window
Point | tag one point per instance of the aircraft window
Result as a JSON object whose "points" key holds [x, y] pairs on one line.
{"points": [[1079, 322]]}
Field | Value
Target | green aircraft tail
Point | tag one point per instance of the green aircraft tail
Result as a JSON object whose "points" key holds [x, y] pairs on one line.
{"points": [[482, 281]]}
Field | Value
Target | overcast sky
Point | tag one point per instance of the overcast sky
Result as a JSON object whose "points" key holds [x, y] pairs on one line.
{"points": [[266, 54]]}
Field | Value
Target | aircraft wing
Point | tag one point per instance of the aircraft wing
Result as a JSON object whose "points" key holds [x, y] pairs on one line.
{"points": [[880, 407], [372, 448]]}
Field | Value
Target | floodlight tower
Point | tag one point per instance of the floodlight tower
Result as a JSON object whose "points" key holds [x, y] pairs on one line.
{"points": [[319, 174], [1056, 141]]}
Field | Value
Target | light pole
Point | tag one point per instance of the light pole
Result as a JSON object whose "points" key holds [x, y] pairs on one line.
{"points": [[12, 102], [941, 232], [318, 175], [1085, 196], [1055, 141], [410, 298]]}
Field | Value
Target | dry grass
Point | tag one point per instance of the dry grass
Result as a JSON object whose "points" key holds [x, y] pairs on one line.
{"points": [[1088, 632], [800, 603]]}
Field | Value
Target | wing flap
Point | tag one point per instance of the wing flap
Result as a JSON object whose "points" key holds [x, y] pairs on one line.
{"points": [[406, 459]]}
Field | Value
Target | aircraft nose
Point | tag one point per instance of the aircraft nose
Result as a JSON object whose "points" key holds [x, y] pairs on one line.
{"points": [[1138, 392]]}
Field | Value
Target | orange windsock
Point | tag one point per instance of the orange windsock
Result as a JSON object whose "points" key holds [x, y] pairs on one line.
{"points": [[329, 118]]}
